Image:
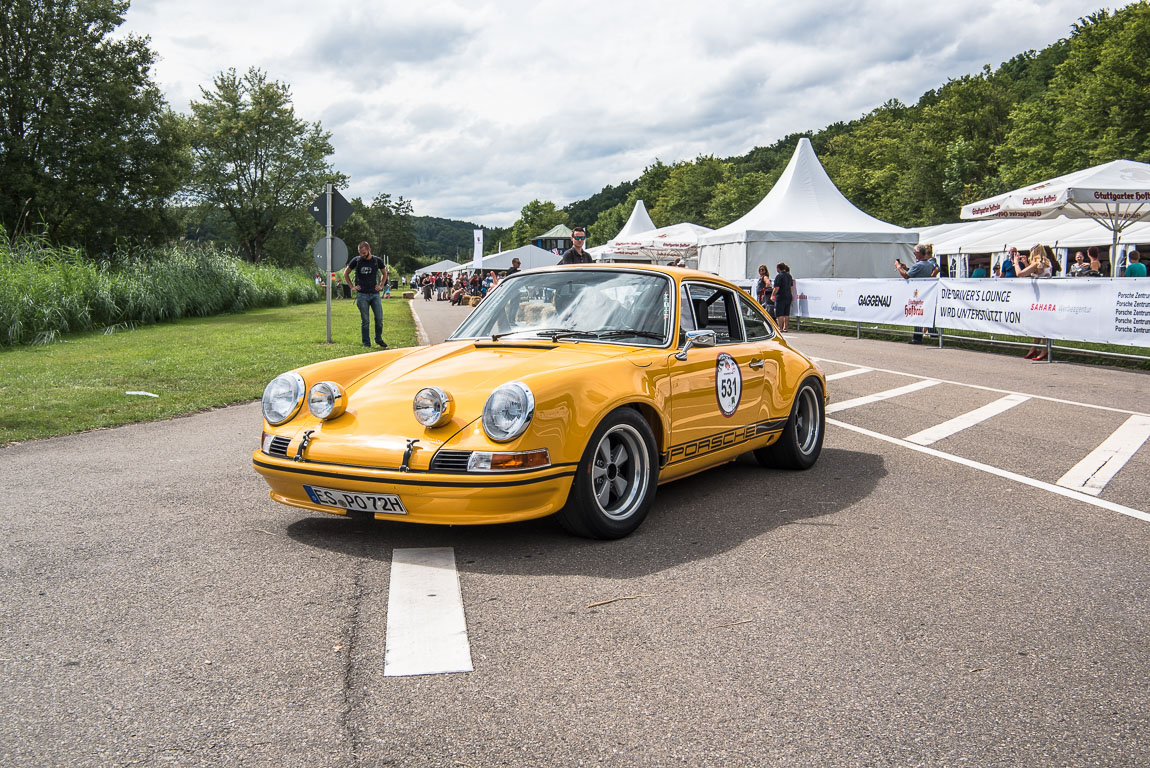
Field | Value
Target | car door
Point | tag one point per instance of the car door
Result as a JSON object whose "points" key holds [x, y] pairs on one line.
{"points": [[768, 364], [715, 392]]}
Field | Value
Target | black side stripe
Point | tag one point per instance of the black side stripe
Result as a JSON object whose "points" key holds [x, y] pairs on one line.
{"points": [[723, 440], [305, 470]]}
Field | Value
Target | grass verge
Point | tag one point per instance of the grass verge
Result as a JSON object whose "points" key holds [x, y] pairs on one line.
{"points": [[80, 382]]}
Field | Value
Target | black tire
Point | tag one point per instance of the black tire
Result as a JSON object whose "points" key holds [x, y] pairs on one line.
{"points": [[614, 486], [802, 440]]}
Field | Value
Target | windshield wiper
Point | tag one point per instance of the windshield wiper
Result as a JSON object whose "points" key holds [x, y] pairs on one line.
{"points": [[498, 336], [554, 333], [631, 332]]}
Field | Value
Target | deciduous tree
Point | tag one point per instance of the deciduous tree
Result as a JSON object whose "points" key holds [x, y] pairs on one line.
{"points": [[88, 148], [255, 159]]}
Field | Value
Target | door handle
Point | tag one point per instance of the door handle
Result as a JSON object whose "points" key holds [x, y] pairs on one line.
{"points": [[756, 363]]}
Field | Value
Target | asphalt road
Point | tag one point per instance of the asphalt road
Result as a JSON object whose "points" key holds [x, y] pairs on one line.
{"points": [[894, 606]]}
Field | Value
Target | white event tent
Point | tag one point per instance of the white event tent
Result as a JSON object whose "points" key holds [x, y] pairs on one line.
{"points": [[530, 256], [662, 245], [638, 221], [439, 266], [806, 222], [1115, 195]]}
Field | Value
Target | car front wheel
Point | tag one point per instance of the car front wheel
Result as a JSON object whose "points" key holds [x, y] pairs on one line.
{"points": [[802, 440], [614, 486]]}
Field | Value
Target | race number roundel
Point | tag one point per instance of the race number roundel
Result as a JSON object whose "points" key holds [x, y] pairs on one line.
{"points": [[728, 384]]}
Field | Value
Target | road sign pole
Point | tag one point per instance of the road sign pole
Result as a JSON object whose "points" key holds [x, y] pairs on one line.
{"points": [[329, 243]]}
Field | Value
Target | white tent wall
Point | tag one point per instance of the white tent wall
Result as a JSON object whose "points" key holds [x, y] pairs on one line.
{"points": [[808, 258]]}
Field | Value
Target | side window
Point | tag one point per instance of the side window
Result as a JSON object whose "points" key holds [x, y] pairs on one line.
{"points": [[686, 315], [757, 326], [716, 309]]}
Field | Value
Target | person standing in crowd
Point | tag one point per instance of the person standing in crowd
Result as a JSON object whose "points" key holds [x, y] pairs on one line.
{"points": [[514, 267], [979, 272], [1080, 265], [923, 266], [764, 289], [782, 295], [1038, 264], [1095, 262], [370, 274], [1008, 262], [997, 273], [1134, 265], [575, 254]]}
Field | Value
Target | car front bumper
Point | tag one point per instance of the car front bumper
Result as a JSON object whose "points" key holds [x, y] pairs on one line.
{"points": [[429, 497]]}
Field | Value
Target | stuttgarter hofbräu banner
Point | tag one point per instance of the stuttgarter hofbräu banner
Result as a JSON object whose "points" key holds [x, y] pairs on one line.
{"points": [[1095, 309]]}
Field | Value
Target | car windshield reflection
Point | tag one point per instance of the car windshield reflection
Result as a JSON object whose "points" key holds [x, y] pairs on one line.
{"points": [[580, 305]]}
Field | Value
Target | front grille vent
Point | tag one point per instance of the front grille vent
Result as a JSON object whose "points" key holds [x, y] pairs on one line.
{"points": [[450, 461], [279, 446]]}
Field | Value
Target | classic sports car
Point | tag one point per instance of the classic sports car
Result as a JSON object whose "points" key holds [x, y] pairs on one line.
{"points": [[571, 391]]}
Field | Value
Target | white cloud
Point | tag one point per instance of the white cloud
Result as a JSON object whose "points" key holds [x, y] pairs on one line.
{"points": [[471, 110]]}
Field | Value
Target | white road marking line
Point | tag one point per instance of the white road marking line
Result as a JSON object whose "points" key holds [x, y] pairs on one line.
{"points": [[1059, 490], [1096, 470], [878, 396], [851, 372], [426, 630], [988, 389], [959, 423]]}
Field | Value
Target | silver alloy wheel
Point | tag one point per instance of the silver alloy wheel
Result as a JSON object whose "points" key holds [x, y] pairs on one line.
{"points": [[807, 423], [620, 472]]}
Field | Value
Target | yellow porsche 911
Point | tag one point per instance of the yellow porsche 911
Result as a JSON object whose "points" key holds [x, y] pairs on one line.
{"points": [[570, 391]]}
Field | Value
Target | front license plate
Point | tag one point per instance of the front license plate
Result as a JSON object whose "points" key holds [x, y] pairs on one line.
{"points": [[384, 503]]}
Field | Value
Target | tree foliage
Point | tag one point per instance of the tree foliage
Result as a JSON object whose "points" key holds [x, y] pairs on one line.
{"points": [[254, 159], [537, 217], [89, 151], [1079, 102]]}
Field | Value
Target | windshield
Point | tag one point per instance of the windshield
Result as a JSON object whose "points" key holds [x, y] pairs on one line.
{"points": [[580, 304]]}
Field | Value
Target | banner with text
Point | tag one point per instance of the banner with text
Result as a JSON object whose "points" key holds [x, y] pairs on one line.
{"points": [[892, 302], [1079, 309]]}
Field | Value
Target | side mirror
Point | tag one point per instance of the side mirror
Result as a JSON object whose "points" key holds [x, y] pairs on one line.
{"points": [[701, 338]]}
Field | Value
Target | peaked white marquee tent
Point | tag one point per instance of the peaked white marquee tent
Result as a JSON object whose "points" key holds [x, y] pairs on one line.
{"points": [[806, 222], [638, 221]]}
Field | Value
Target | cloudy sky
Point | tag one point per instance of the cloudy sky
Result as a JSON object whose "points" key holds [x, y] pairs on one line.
{"points": [[473, 109]]}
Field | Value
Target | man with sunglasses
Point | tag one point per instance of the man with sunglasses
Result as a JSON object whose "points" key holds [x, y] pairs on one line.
{"points": [[575, 254]]}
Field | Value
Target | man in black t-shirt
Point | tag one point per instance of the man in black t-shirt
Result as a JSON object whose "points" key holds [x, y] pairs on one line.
{"points": [[514, 267], [370, 273], [575, 254]]}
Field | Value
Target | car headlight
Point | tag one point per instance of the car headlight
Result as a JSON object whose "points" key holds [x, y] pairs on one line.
{"points": [[508, 411], [283, 397], [433, 407], [325, 400]]}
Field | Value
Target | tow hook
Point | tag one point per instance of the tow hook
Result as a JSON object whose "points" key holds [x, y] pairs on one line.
{"points": [[303, 444], [407, 454]]}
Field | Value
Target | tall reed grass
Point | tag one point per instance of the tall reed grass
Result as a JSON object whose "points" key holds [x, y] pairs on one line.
{"points": [[47, 291]]}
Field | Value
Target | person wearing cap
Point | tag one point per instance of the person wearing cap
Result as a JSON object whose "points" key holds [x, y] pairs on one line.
{"points": [[575, 254], [923, 266]]}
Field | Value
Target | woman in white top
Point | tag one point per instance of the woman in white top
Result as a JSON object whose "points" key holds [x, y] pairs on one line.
{"points": [[1039, 264]]}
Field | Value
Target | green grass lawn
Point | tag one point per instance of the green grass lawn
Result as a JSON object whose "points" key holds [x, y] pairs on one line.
{"points": [[80, 383]]}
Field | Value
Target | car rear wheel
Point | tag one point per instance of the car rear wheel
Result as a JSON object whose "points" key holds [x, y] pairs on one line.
{"points": [[614, 486], [802, 440]]}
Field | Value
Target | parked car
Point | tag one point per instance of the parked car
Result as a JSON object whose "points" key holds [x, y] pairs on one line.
{"points": [[570, 391]]}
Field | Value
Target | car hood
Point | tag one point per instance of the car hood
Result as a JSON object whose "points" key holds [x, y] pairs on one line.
{"points": [[375, 429]]}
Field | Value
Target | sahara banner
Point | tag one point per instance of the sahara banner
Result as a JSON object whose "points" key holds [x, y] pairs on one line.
{"points": [[1093, 309]]}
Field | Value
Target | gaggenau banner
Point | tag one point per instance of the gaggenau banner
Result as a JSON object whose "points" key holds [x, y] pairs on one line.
{"points": [[1072, 309]]}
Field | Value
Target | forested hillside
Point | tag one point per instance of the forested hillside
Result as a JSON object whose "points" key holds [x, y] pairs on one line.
{"points": [[1081, 101]]}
